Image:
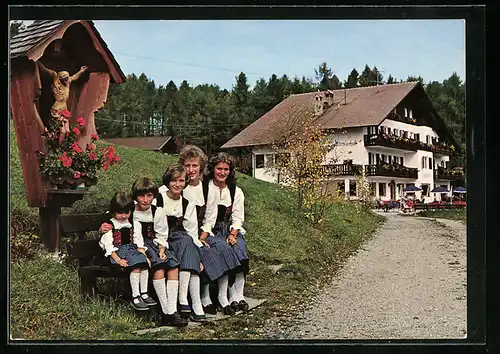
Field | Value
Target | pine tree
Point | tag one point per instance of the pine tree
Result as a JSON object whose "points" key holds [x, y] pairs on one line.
{"points": [[352, 80], [390, 80]]}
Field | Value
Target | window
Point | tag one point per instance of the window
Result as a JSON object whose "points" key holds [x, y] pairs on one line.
{"points": [[401, 160], [427, 139], [352, 188], [269, 160], [425, 190], [417, 136], [406, 112], [442, 163], [396, 131], [430, 163], [410, 112], [378, 159], [259, 161], [383, 158], [400, 187], [401, 133], [388, 130], [381, 189], [370, 158], [424, 162]]}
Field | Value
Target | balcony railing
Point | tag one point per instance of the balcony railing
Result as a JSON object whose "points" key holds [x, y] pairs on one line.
{"points": [[346, 169], [397, 142], [391, 170], [448, 173]]}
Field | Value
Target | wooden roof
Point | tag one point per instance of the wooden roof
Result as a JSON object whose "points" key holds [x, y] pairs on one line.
{"points": [[34, 39], [154, 143], [355, 107]]}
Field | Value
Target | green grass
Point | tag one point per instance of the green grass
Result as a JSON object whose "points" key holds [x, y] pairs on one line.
{"points": [[46, 302], [452, 214]]}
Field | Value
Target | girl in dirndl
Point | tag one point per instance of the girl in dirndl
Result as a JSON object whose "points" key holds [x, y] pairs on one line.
{"points": [[150, 224], [183, 239], [126, 251], [228, 227]]}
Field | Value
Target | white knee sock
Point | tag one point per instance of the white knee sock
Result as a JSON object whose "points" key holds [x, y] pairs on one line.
{"points": [[222, 297], [239, 284], [134, 283], [231, 291], [159, 285], [205, 297], [144, 280], [184, 277], [194, 292], [172, 293]]}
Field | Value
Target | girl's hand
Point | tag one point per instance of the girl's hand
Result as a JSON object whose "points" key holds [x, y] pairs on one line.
{"points": [[231, 239], [149, 262], [205, 243], [105, 227], [123, 262], [162, 254], [201, 267]]}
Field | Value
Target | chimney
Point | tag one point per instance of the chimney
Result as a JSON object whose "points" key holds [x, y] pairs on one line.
{"points": [[328, 98], [318, 104]]}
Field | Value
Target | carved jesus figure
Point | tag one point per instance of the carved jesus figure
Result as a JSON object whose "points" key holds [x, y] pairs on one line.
{"points": [[61, 82]]}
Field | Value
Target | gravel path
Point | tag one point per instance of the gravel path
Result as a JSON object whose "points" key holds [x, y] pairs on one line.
{"points": [[407, 282]]}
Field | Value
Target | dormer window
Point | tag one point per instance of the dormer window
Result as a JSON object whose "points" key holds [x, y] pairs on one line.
{"points": [[406, 112], [410, 113]]}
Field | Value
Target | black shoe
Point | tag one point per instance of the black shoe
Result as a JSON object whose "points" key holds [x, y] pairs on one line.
{"points": [[148, 300], [243, 306], [228, 310], [210, 309], [173, 320], [234, 306], [139, 304], [185, 310], [198, 318]]}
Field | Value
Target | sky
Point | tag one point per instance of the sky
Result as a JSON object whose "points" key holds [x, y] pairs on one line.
{"points": [[215, 51]]}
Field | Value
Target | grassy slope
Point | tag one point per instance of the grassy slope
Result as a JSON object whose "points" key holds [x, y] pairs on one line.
{"points": [[453, 214], [276, 234]]}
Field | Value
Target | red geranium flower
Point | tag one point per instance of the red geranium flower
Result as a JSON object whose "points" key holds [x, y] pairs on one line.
{"points": [[65, 113], [92, 156], [75, 147], [77, 174], [76, 131], [95, 137], [81, 121]]}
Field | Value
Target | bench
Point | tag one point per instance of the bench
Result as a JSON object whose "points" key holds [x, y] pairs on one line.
{"points": [[86, 252]]}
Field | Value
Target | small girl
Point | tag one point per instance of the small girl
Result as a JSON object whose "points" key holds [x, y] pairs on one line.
{"points": [[150, 224], [126, 251]]}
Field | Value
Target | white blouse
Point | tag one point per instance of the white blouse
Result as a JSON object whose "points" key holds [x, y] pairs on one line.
{"points": [[159, 224], [173, 207], [106, 241], [195, 195], [223, 197]]}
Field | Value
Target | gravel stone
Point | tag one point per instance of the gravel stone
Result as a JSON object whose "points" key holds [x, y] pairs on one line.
{"points": [[407, 282]]}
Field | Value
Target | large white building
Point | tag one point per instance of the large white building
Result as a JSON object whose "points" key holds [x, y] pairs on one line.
{"points": [[392, 132]]}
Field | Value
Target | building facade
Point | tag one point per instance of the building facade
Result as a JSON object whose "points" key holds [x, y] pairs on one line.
{"points": [[389, 132]]}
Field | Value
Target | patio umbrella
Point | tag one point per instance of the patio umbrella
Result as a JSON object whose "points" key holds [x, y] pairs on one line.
{"points": [[412, 189], [440, 190], [460, 190]]}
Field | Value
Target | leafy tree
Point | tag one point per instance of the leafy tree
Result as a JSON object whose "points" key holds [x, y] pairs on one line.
{"points": [[414, 78], [391, 80], [302, 146]]}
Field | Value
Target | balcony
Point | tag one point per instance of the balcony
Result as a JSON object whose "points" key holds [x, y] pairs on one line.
{"points": [[452, 174], [346, 169], [391, 170], [397, 142], [391, 141]]}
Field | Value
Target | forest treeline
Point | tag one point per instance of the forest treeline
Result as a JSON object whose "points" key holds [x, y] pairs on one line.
{"points": [[209, 116]]}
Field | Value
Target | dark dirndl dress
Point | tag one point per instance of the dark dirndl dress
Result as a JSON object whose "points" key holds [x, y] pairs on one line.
{"points": [[152, 251], [183, 246], [126, 249], [219, 259], [221, 232]]}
